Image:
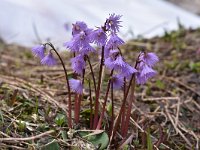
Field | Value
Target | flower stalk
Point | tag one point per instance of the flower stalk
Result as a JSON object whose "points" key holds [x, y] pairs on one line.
{"points": [[68, 86], [96, 109], [104, 104]]}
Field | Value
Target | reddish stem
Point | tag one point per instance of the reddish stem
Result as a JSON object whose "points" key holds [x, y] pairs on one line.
{"points": [[124, 101], [122, 106], [96, 109], [105, 101], [68, 86], [76, 109], [123, 109], [112, 103], [78, 99], [91, 107], [112, 115], [92, 72], [128, 114]]}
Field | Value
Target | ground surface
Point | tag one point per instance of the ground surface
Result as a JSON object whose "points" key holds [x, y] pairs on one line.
{"points": [[32, 97]]}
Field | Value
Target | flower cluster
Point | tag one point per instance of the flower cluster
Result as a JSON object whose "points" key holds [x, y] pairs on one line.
{"points": [[107, 37], [83, 37], [39, 51], [145, 63], [121, 72]]}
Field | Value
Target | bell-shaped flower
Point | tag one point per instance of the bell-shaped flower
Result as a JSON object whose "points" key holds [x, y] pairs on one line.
{"points": [[49, 60], [38, 51], [76, 86]]}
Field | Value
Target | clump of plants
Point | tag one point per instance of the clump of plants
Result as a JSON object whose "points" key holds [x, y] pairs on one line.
{"points": [[111, 74]]}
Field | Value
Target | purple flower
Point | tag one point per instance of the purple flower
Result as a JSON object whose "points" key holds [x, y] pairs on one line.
{"points": [[149, 58], [98, 37], [145, 72], [118, 82], [109, 62], [114, 52], [113, 23], [72, 46], [86, 49], [81, 39], [78, 27], [106, 52], [76, 86], [78, 41], [38, 51], [114, 42], [49, 60], [115, 62], [110, 53], [127, 71], [78, 64], [119, 62]]}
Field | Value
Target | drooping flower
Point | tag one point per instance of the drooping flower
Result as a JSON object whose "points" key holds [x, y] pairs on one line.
{"points": [[149, 58], [115, 62], [114, 41], [98, 37], [118, 82], [78, 27], [81, 39], [49, 60], [109, 63], [76, 86], [113, 22], [110, 52], [38, 51], [113, 52], [78, 41], [72, 46], [119, 62], [78, 64], [110, 57], [86, 49], [106, 52], [144, 73], [127, 71]]}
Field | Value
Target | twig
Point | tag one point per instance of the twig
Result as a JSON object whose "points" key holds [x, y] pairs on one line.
{"points": [[128, 140], [17, 82], [177, 113], [11, 146], [28, 138], [137, 125], [176, 128], [180, 125], [184, 85], [160, 98]]}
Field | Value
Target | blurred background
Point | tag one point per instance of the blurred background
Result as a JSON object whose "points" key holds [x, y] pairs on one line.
{"points": [[27, 22]]}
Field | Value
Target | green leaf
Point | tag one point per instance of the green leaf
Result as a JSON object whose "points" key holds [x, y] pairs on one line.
{"points": [[60, 119], [53, 145], [64, 135], [99, 139], [1, 117], [194, 66], [126, 147], [160, 84], [109, 108], [21, 126], [149, 141]]}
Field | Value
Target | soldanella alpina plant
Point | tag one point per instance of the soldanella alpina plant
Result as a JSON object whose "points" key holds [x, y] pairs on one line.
{"points": [[104, 42]]}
